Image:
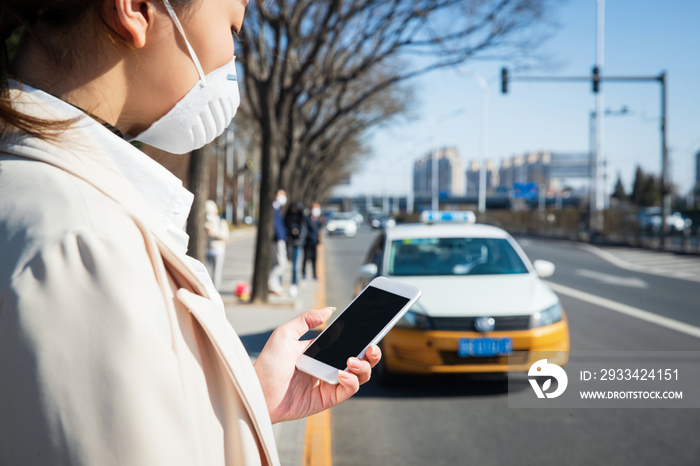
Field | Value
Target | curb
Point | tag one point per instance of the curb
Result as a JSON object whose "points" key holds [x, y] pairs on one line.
{"points": [[317, 439]]}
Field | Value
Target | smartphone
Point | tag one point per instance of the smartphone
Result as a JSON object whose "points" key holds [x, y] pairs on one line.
{"points": [[362, 324]]}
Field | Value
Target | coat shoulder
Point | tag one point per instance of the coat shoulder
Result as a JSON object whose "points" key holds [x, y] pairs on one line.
{"points": [[41, 203]]}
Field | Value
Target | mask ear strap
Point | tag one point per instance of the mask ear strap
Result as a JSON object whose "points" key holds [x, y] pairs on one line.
{"points": [[171, 12]]}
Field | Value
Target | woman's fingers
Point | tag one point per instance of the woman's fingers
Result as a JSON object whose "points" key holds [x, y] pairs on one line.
{"points": [[373, 355], [361, 368], [349, 385], [308, 320]]}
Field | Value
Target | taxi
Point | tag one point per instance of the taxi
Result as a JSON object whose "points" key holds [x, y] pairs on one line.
{"points": [[484, 307]]}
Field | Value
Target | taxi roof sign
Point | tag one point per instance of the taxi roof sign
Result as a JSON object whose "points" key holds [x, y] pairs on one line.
{"points": [[455, 216]]}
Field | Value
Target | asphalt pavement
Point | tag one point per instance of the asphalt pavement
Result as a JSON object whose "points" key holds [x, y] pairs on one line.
{"points": [[455, 420]]}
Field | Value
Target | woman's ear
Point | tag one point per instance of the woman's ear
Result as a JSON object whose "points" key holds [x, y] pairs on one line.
{"points": [[131, 19]]}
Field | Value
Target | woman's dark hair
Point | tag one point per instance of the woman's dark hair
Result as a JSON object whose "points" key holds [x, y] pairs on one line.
{"points": [[58, 26]]}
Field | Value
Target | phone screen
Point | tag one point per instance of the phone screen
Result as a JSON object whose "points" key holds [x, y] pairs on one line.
{"points": [[356, 327]]}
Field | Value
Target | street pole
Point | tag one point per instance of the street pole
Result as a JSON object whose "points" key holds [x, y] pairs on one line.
{"points": [[591, 176], [434, 169], [600, 50], [665, 175], [484, 140], [409, 196]]}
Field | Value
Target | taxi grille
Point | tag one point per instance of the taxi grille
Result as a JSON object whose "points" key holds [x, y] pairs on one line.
{"points": [[466, 324], [450, 358]]}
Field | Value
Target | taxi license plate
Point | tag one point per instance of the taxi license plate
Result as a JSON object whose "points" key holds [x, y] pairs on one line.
{"points": [[469, 347]]}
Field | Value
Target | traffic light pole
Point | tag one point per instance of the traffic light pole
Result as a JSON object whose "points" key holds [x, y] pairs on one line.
{"points": [[596, 79], [597, 227]]}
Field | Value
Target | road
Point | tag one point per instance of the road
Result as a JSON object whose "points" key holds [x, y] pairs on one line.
{"points": [[455, 420]]}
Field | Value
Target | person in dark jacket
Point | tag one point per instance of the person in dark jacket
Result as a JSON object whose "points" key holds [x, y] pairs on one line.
{"points": [[279, 252], [313, 232], [296, 236]]}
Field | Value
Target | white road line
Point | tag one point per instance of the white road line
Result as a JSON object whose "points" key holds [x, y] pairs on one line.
{"points": [[624, 264], [657, 260], [648, 259], [668, 265], [616, 280], [628, 253], [681, 263], [627, 310], [687, 267]]}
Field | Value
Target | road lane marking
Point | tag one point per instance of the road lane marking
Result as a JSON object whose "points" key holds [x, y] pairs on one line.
{"points": [[665, 261], [688, 267], [317, 439], [317, 444], [624, 264], [632, 282], [627, 310]]}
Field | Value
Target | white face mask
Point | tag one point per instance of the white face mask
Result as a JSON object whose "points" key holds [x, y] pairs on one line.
{"points": [[316, 212], [203, 114], [282, 199]]}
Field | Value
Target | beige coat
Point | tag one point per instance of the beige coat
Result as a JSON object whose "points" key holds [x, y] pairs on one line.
{"points": [[111, 351]]}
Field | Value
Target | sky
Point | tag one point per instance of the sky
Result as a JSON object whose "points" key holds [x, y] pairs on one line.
{"points": [[642, 37]]}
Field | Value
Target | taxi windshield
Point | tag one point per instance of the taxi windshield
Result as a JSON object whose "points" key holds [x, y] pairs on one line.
{"points": [[453, 256]]}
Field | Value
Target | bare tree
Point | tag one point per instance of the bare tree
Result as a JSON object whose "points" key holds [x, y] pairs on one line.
{"points": [[198, 175], [316, 73]]}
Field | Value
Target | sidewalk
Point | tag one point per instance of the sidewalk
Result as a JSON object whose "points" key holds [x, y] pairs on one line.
{"points": [[254, 324]]}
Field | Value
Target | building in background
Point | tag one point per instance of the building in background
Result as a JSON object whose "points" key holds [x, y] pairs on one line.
{"points": [[697, 171], [548, 169], [450, 174], [492, 178]]}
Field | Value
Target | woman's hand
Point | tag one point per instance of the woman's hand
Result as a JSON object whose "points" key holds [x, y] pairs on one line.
{"points": [[292, 394]]}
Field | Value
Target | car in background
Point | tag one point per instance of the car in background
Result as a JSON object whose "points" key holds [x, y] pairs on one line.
{"points": [[383, 223], [484, 307], [359, 219], [649, 220], [341, 223]]}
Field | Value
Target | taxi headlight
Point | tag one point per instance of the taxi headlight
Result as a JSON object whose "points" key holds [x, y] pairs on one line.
{"points": [[415, 320], [549, 316]]}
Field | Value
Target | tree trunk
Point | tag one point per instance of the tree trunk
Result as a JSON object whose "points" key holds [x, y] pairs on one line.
{"points": [[234, 188], [265, 237], [198, 183]]}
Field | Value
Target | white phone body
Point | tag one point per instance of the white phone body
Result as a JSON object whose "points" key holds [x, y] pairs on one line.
{"points": [[329, 373]]}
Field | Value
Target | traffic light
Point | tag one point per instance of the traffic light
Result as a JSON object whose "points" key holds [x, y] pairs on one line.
{"points": [[595, 79], [504, 80]]}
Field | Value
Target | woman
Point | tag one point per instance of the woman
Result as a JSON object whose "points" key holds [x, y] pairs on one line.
{"points": [[217, 234], [114, 349]]}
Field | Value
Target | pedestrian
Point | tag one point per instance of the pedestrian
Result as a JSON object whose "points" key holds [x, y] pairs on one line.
{"points": [[217, 234], [279, 245], [296, 236], [313, 232], [114, 345]]}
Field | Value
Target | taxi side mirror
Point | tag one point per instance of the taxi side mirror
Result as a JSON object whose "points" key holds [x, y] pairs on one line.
{"points": [[544, 269], [368, 271]]}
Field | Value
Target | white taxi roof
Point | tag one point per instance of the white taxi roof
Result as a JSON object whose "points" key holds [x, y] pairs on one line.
{"points": [[445, 230]]}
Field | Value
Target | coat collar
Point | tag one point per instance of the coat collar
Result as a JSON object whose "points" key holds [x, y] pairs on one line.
{"points": [[92, 152]]}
